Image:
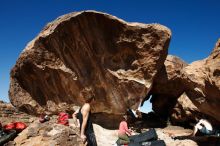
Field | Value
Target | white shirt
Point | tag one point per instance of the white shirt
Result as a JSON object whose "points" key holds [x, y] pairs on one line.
{"points": [[207, 125]]}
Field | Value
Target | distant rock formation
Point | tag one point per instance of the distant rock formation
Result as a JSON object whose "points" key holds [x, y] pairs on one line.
{"points": [[116, 59]]}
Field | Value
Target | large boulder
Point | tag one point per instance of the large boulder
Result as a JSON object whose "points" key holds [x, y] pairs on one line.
{"points": [[184, 92], [88, 50], [167, 86], [202, 81]]}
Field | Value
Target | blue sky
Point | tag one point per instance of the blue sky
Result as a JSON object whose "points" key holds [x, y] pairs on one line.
{"points": [[195, 24]]}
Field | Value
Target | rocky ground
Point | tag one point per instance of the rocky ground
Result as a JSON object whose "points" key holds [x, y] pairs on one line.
{"points": [[8, 114], [52, 134], [167, 133]]}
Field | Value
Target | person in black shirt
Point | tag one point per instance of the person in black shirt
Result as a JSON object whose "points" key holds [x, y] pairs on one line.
{"points": [[84, 116]]}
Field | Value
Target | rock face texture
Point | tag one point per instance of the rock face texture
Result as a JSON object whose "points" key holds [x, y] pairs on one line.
{"points": [[46, 134], [168, 80], [167, 86], [184, 110], [202, 81], [116, 60], [9, 114], [183, 92], [120, 63]]}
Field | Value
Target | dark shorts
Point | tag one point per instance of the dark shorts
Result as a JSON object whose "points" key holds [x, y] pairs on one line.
{"points": [[91, 139], [204, 130]]}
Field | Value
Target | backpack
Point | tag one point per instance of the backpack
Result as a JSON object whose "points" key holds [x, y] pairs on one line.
{"points": [[63, 118], [20, 126], [9, 126]]}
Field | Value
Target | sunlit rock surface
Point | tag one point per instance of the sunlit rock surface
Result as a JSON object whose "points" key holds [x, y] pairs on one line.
{"points": [[202, 81], [117, 60], [167, 86], [178, 84], [184, 110]]}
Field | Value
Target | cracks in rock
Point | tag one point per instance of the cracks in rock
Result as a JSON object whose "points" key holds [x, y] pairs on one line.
{"points": [[130, 75]]}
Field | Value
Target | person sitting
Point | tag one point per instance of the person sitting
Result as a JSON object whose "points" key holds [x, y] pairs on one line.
{"points": [[124, 132], [204, 127]]}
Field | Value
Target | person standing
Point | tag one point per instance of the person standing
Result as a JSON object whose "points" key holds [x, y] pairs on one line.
{"points": [[84, 116]]}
